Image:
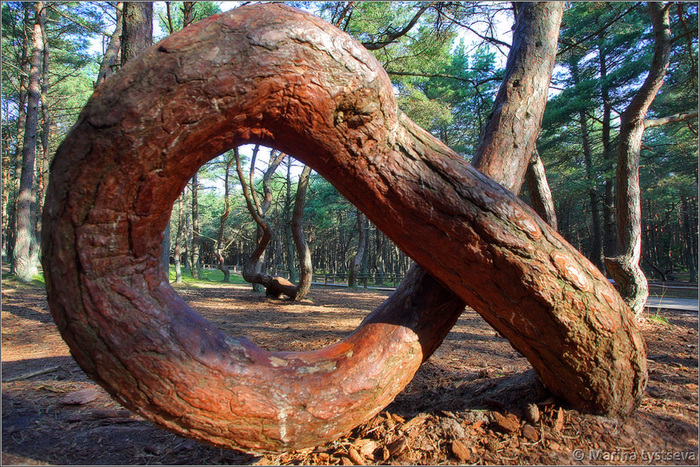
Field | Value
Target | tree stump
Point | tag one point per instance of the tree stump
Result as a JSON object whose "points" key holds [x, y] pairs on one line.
{"points": [[273, 75]]}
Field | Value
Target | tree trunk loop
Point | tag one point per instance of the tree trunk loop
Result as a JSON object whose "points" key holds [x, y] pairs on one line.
{"points": [[273, 75]]}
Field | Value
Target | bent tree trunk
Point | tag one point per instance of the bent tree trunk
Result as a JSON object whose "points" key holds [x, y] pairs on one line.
{"points": [[274, 286], [624, 267], [270, 74]]}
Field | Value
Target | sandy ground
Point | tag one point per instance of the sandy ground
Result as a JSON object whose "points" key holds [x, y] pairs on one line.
{"points": [[472, 402]]}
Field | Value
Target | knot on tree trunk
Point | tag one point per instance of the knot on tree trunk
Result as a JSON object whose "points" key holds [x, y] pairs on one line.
{"points": [[630, 281]]}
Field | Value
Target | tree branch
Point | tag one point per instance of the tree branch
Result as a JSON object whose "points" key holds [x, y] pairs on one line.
{"points": [[443, 75], [652, 122], [390, 37]]}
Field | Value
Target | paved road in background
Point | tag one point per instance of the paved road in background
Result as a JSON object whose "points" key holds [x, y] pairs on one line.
{"points": [[682, 304]]}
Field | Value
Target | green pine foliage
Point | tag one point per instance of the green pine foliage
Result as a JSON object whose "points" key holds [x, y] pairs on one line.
{"points": [[446, 69]]}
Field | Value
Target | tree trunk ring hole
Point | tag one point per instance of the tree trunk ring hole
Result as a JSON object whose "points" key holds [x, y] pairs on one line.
{"points": [[226, 81], [272, 75]]}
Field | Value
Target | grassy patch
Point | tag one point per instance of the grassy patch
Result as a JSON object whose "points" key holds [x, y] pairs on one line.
{"points": [[658, 318], [208, 276], [10, 279]]}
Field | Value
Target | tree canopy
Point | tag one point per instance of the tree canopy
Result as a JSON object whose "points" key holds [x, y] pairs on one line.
{"points": [[446, 61]]}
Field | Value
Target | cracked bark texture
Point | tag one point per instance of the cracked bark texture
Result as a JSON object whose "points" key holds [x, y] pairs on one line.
{"points": [[272, 75]]}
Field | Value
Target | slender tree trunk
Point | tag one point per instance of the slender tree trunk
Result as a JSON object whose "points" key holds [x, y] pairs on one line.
{"points": [[11, 190], [596, 253], [111, 57], [44, 160], [165, 251], [25, 265], [168, 13], [11, 232], [178, 240], [136, 36], [220, 247], [379, 258], [538, 188], [6, 185], [261, 207], [288, 230], [195, 251], [690, 243], [303, 252], [509, 135], [608, 157], [624, 267], [356, 264]]}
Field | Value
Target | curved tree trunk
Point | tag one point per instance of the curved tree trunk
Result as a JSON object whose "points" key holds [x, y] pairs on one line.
{"points": [[288, 238], [624, 268], [252, 271], [274, 286], [608, 154], [287, 79]]}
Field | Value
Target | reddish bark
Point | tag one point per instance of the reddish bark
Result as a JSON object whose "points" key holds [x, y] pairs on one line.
{"points": [[270, 74]]}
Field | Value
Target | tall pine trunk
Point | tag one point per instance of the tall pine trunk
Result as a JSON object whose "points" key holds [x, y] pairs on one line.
{"points": [[624, 267], [178, 239], [596, 252], [44, 161], [195, 262], [356, 265], [137, 29], [220, 246], [303, 251], [25, 264], [288, 235], [608, 157]]}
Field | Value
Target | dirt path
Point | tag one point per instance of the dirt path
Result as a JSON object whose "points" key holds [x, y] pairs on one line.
{"points": [[474, 401]]}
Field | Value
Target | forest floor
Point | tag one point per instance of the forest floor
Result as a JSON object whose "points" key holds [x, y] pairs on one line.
{"points": [[475, 400]]}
